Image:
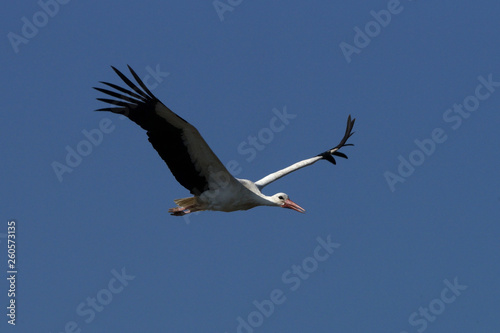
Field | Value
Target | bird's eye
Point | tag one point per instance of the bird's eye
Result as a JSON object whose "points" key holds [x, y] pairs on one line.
{"points": [[280, 197]]}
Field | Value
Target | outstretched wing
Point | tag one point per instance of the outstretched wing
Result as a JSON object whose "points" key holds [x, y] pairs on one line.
{"points": [[327, 155], [179, 144]]}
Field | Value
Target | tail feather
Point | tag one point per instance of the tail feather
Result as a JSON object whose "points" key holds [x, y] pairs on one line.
{"points": [[185, 202]]}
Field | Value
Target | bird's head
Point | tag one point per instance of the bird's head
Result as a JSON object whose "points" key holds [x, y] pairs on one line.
{"points": [[282, 200]]}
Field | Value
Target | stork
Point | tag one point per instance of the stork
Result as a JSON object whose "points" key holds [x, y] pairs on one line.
{"points": [[190, 159]]}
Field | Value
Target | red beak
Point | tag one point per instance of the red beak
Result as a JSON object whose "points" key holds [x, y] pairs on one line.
{"points": [[292, 205]]}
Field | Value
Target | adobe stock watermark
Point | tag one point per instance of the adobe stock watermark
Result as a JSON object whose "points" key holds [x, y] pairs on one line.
{"points": [[372, 29], [222, 6], [253, 144], [94, 137], [420, 319], [454, 117], [31, 26], [87, 310], [292, 279]]}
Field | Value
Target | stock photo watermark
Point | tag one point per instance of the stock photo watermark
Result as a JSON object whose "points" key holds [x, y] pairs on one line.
{"points": [[453, 116], [87, 310], [94, 137], [372, 29], [253, 144], [11, 270], [256, 143], [291, 279], [223, 6], [420, 319], [31, 25]]}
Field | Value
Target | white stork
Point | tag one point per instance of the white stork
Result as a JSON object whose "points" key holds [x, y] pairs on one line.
{"points": [[190, 159]]}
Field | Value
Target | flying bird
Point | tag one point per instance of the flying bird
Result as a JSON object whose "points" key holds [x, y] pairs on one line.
{"points": [[190, 159]]}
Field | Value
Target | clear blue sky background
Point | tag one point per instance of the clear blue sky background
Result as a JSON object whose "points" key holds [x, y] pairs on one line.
{"points": [[201, 274]]}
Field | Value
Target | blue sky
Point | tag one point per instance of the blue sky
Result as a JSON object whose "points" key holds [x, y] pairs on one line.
{"points": [[401, 237]]}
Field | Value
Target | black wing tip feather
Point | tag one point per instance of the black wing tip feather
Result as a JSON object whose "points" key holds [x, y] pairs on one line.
{"points": [[328, 155], [138, 79], [125, 98], [136, 102]]}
